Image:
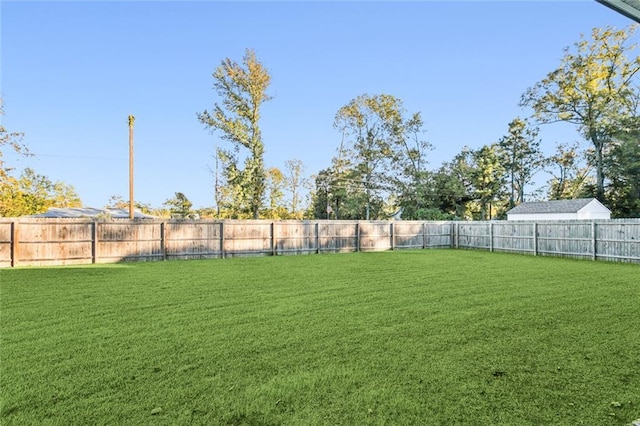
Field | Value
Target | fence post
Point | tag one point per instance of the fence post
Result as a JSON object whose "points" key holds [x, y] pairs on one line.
{"points": [[273, 239], [455, 235], [424, 235], [490, 236], [452, 231], [317, 237], [392, 235], [14, 243], [222, 239], [593, 241], [357, 236], [94, 242], [163, 240], [535, 238]]}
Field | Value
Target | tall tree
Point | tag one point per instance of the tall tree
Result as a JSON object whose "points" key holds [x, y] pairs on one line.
{"points": [[274, 192], [593, 88], [294, 181], [339, 194], [450, 189], [487, 177], [242, 89], [412, 178], [382, 152], [521, 157], [571, 173], [321, 198], [371, 126]]}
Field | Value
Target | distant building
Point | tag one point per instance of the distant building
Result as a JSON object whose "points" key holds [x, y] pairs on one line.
{"points": [[89, 212], [581, 208]]}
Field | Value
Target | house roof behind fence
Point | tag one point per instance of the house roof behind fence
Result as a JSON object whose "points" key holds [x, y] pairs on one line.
{"points": [[554, 206], [56, 212]]}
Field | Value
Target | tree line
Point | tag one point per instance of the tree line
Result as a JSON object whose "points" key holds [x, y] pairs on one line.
{"points": [[380, 168]]}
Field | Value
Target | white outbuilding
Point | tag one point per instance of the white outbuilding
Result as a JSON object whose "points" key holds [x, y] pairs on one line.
{"points": [[581, 208]]}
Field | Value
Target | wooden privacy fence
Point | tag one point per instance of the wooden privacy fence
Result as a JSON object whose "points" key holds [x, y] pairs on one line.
{"points": [[29, 241]]}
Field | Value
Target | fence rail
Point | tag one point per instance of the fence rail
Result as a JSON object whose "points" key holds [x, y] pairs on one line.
{"points": [[37, 242]]}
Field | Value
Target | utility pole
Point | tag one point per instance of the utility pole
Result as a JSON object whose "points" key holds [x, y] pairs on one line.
{"points": [[132, 119]]}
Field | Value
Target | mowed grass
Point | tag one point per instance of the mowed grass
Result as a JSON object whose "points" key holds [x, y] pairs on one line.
{"points": [[429, 337]]}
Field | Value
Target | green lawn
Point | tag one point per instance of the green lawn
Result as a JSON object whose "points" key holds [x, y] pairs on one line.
{"points": [[416, 337]]}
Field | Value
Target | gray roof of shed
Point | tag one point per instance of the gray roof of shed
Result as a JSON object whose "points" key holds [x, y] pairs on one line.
{"points": [[57, 212], [554, 206]]}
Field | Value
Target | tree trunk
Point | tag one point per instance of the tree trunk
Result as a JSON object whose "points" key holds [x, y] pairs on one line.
{"points": [[599, 146]]}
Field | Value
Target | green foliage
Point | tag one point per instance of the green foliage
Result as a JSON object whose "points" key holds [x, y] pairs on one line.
{"points": [[242, 90], [487, 178], [117, 202], [321, 197], [412, 181], [370, 126], [275, 195], [623, 168], [471, 186], [342, 195], [429, 214], [32, 193], [452, 186], [398, 338], [594, 88], [571, 175], [381, 158], [179, 206], [294, 183], [521, 158]]}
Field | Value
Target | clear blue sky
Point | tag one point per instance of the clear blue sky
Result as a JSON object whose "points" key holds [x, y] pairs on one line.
{"points": [[72, 72]]}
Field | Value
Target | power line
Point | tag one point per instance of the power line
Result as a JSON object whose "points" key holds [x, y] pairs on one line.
{"points": [[77, 157]]}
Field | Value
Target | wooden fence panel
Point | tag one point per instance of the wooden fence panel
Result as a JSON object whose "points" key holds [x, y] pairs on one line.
{"points": [[192, 240], [295, 237], [408, 235], [565, 239], [513, 237], [6, 239], [247, 238], [438, 234], [338, 236], [52, 242], [473, 235], [128, 241], [374, 236], [618, 241]]}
